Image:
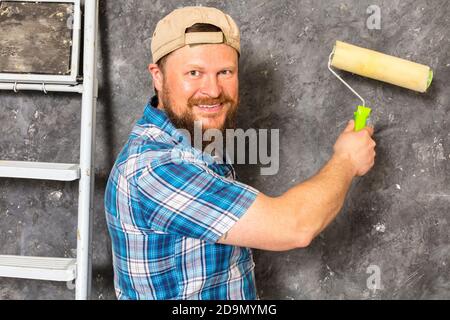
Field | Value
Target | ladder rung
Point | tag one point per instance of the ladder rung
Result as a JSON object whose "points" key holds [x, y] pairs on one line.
{"points": [[39, 87], [39, 170], [38, 268]]}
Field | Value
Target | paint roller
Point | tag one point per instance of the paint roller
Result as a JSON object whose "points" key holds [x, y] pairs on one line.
{"points": [[378, 66]]}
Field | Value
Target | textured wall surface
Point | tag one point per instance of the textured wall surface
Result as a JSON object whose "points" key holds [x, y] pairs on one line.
{"points": [[396, 218]]}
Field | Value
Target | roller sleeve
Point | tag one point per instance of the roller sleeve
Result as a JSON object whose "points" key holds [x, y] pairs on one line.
{"points": [[382, 67]]}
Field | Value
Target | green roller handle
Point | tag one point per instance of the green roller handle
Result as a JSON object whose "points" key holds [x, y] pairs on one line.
{"points": [[361, 115]]}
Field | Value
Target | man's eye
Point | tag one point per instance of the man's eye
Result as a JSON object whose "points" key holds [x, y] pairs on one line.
{"points": [[194, 73], [226, 72]]}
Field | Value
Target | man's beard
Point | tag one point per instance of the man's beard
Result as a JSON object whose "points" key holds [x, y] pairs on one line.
{"points": [[187, 121]]}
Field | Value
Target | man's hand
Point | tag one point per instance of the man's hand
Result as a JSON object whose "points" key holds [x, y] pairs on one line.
{"points": [[357, 147]]}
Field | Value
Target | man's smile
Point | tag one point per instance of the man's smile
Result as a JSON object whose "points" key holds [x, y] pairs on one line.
{"points": [[209, 108]]}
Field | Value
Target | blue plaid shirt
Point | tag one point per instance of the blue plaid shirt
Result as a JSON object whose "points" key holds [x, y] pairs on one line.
{"points": [[166, 207]]}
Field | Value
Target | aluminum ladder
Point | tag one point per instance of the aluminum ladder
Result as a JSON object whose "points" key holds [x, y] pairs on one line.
{"points": [[65, 269]]}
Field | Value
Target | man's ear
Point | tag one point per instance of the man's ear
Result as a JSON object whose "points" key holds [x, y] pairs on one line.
{"points": [[157, 75]]}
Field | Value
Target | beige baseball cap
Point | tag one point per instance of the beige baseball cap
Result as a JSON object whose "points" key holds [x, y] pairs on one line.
{"points": [[170, 32]]}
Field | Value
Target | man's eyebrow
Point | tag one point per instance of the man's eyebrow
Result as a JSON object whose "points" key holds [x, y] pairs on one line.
{"points": [[196, 66], [228, 67]]}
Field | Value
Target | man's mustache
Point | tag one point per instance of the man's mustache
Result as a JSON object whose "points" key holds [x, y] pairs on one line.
{"points": [[222, 99]]}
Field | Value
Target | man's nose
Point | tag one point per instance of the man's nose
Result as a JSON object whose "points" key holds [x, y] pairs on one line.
{"points": [[211, 87]]}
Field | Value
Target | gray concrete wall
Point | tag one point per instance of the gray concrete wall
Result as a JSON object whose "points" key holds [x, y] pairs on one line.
{"points": [[396, 218]]}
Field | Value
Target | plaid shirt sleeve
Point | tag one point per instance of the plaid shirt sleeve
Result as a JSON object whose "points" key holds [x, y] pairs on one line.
{"points": [[191, 200]]}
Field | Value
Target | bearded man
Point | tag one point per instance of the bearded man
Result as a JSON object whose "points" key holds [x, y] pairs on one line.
{"points": [[181, 226]]}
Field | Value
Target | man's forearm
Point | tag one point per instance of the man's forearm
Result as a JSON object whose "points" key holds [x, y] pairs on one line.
{"points": [[316, 202]]}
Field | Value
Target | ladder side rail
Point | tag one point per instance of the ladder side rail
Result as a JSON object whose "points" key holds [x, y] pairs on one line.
{"points": [[83, 282]]}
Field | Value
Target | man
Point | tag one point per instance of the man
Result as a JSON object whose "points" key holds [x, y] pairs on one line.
{"points": [[181, 225]]}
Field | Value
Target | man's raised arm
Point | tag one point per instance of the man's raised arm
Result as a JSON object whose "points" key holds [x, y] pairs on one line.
{"points": [[295, 218]]}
